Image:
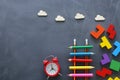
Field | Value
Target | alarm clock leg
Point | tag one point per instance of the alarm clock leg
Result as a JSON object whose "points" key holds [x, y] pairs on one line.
{"points": [[48, 77], [60, 74]]}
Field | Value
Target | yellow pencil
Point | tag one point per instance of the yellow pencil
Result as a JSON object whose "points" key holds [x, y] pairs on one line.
{"points": [[81, 67]]}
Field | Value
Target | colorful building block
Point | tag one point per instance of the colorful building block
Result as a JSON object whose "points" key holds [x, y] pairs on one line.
{"points": [[105, 43], [105, 59], [116, 78], [111, 31], [104, 72], [110, 78], [117, 50], [97, 34], [115, 65]]}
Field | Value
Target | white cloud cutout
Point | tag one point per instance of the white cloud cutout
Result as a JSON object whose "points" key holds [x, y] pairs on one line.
{"points": [[60, 18], [79, 16], [99, 18], [42, 13]]}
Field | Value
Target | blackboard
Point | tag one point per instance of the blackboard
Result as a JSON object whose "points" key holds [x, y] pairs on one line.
{"points": [[26, 39]]}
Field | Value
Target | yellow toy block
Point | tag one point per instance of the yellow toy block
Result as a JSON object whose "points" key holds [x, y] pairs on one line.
{"points": [[105, 43], [116, 78], [110, 78]]}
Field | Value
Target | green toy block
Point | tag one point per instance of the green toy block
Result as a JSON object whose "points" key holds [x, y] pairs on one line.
{"points": [[115, 65]]}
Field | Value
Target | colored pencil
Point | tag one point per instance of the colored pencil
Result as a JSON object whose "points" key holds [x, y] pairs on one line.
{"points": [[81, 54], [81, 75], [81, 47], [80, 67], [80, 60]]}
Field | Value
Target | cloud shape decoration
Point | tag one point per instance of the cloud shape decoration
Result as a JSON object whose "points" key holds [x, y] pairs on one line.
{"points": [[42, 13], [79, 16], [59, 18], [99, 18]]}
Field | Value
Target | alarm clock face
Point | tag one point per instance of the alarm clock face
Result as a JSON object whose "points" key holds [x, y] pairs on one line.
{"points": [[52, 69]]}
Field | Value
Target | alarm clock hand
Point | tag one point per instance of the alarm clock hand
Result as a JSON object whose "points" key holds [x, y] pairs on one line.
{"points": [[52, 67]]}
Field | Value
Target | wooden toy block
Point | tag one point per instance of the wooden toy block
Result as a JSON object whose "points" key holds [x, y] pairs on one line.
{"points": [[105, 43], [117, 50], [116, 78], [115, 65], [104, 72], [111, 31], [105, 59], [110, 78], [97, 34]]}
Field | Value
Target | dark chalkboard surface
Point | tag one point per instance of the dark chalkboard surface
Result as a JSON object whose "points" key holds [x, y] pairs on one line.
{"points": [[26, 39]]}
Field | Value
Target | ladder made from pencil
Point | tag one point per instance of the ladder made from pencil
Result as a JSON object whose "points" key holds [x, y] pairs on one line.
{"points": [[85, 60]]}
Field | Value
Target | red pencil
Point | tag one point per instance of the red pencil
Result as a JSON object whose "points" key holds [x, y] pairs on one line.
{"points": [[80, 60]]}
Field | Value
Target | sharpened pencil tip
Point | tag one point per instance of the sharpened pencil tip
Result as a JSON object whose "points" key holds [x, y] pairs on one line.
{"points": [[92, 53], [69, 59], [70, 47]]}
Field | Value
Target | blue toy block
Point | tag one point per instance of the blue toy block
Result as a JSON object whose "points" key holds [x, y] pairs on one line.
{"points": [[117, 50]]}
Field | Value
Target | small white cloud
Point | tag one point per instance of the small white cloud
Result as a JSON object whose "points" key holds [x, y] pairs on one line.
{"points": [[99, 18], [60, 18], [79, 16], [42, 13]]}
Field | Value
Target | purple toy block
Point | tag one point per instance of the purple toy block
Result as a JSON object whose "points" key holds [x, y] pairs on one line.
{"points": [[105, 59]]}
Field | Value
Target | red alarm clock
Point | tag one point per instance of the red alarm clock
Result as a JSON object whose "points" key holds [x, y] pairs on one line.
{"points": [[51, 66]]}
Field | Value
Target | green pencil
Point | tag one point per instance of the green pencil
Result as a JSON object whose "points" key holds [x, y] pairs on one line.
{"points": [[81, 47]]}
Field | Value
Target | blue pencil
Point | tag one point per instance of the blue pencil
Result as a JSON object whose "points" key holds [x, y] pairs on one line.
{"points": [[81, 54]]}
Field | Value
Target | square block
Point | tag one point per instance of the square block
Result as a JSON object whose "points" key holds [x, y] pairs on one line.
{"points": [[115, 65]]}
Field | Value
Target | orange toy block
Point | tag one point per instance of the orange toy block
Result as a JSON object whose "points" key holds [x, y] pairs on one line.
{"points": [[105, 43], [111, 31], [97, 34]]}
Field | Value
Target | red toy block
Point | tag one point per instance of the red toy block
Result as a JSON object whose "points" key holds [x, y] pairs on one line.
{"points": [[104, 72], [99, 32], [111, 31]]}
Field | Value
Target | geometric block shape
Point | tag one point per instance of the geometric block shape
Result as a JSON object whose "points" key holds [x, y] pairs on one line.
{"points": [[97, 34], [110, 78], [105, 43], [81, 75], [116, 78], [115, 65], [111, 31], [117, 50], [81, 53], [105, 59], [104, 72]]}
